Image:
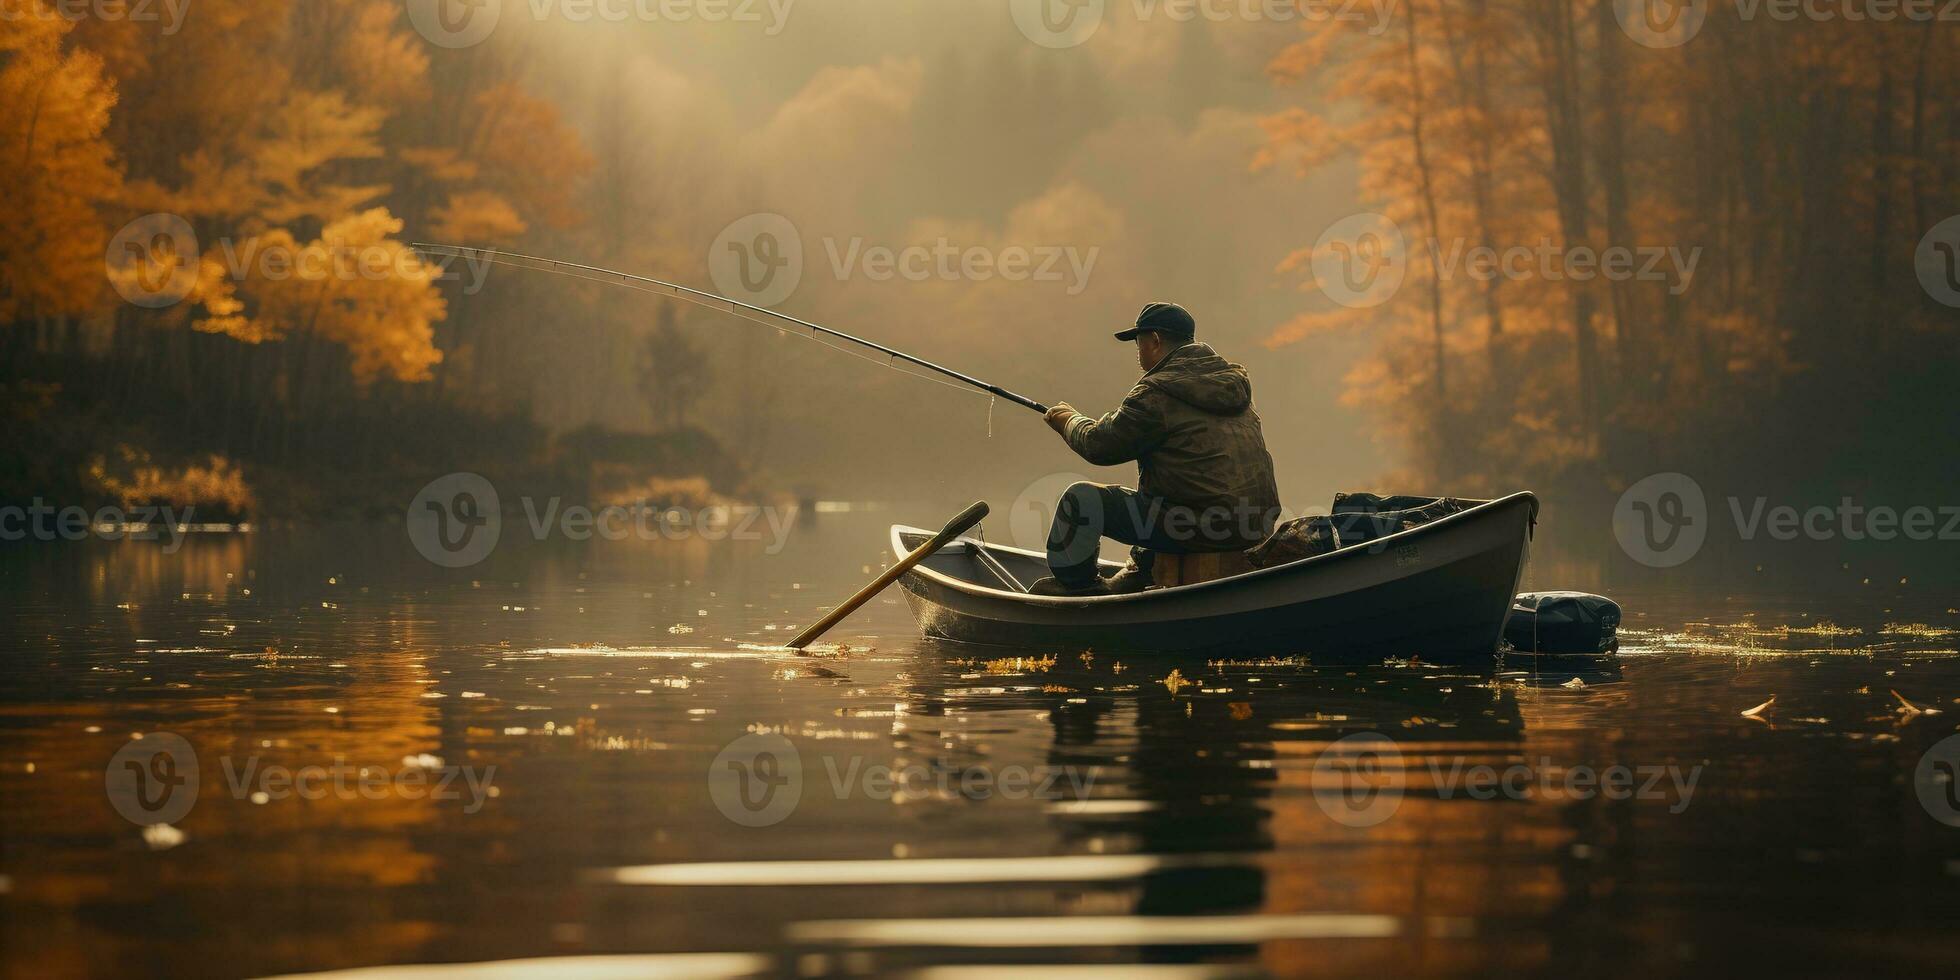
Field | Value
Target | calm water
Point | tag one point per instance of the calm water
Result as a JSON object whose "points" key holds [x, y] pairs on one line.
{"points": [[1050, 808]]}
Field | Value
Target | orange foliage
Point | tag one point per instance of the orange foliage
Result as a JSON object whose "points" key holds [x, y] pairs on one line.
{"points": [[54, 108]]}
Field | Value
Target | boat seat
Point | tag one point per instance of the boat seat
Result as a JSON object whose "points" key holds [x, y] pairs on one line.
{"points": [[1169, 570]]}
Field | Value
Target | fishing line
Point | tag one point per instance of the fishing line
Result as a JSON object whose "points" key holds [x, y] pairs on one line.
{"points": [[754, 314], [891, 363]]}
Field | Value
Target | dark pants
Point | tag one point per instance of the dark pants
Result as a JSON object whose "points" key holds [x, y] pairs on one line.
{"points": [[1089, 512]]}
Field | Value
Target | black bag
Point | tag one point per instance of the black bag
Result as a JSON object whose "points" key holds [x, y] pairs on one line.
{"points": [[1563, 622], [1357, 518]]}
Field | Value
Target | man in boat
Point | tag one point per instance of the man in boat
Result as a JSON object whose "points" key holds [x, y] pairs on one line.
{"points": [[1204, 477]]}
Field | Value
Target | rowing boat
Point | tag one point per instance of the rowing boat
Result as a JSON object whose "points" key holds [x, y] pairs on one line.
{"points": [[1440, 591]]}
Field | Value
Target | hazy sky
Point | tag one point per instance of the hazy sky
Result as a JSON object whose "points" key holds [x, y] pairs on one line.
{"points": [[1119, 165]]}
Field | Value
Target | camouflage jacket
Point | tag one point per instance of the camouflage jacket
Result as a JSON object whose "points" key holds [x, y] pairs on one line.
{"points": [[1190, 426]]}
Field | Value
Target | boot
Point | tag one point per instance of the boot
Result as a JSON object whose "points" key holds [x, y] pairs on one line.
{"points": [[1050, 585], [1130, 578]]}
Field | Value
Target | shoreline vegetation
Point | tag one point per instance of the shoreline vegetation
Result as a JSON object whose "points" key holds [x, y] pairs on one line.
{"points": [[363, 463]]}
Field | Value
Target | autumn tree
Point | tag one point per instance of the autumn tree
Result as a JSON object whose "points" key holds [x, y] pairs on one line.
{"points": [[1798, 164], [55, 104]]}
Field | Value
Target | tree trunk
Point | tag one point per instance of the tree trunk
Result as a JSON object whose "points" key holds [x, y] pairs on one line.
{"points": [[1559, 83], [1613, 178], [1879, 334], [1430, 218]]}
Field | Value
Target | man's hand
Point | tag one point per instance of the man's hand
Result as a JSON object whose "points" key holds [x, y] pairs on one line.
{"points": [[1058, 417]]}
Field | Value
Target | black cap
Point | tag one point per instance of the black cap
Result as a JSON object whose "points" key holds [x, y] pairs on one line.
{"points": [[1168, 319]]}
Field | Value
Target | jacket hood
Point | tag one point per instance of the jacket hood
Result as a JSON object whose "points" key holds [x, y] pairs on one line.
{"points": [[1195, 375]]}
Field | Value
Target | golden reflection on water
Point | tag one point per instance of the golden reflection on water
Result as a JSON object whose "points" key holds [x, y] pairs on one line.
{"points": [[563, 672]]}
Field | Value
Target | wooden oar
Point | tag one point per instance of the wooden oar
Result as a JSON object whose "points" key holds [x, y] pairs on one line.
{"points": [[953, 529]]}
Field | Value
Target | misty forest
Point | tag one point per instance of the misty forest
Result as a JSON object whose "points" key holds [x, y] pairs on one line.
{"points": [[1800, 164]]}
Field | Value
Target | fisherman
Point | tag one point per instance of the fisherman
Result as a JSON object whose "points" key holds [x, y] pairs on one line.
{"points": [[1205, 480]]}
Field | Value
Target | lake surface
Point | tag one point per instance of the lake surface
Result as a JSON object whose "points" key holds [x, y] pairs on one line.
{"points": [[592, 756]]}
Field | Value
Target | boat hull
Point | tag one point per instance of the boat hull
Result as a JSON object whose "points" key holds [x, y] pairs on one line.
{"points": [[1441, 591]]}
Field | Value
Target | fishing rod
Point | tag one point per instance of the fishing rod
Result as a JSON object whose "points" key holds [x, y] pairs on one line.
{"points": [[757, 314]]}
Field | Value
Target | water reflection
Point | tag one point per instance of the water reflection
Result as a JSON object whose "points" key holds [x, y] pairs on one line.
{"points": [[1211, 815]]}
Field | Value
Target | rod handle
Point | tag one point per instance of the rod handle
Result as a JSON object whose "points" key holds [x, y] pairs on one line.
{"points": [[1021, 400]]}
